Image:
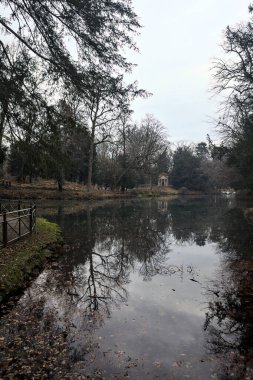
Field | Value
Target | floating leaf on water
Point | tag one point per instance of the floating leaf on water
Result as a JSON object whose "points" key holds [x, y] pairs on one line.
{"points": [[132, 365], [119, 353]]}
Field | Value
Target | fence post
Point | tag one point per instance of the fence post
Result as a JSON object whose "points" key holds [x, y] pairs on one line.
{"points": [[19, 221], [5, 227], [31, 218], [34, 216]]}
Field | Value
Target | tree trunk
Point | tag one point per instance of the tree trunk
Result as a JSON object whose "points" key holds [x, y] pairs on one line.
{"points": [[2, 121], [150, 181], [60, 180], [91, 154], [60, 186]]}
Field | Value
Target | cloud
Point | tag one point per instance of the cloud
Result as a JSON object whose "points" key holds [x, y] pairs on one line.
{"points": [[177, 45]]}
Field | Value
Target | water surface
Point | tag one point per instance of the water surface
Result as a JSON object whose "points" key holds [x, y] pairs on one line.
{"points": [[146, 289]]}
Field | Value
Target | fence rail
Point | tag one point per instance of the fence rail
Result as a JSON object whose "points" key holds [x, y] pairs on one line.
{"points": [[17, 220]]}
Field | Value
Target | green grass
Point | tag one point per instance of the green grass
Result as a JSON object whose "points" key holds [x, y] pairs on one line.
{"points": [[23, 260], [155, 191]]}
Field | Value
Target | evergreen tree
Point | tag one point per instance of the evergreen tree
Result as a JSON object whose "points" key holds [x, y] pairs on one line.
{"points": [[99, 28], [186, 170]]}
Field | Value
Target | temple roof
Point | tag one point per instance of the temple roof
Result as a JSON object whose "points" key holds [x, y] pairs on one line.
{"points": [[163, 174]]}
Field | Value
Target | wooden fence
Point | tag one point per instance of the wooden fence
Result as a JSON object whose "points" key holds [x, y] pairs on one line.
{"points": [[17, 219]]}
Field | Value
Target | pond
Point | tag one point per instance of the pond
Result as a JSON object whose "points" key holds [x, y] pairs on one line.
{"points": [[146, 289]]}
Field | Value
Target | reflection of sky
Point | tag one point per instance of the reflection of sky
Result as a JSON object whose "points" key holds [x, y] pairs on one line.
{"points": [[162, 317], [155, 315]]}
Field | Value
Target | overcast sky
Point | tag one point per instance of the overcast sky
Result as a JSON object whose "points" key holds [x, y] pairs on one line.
{"points": [[178, 41]]}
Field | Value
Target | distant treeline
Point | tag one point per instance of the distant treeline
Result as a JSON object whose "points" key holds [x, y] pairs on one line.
{"points": [[65, 108]]}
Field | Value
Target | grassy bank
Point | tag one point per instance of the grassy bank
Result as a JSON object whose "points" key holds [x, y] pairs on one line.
{"points": [[42, 190], [20, 262]]}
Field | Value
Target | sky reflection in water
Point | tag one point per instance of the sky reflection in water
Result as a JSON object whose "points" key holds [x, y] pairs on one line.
{"points": [[153, 289]]}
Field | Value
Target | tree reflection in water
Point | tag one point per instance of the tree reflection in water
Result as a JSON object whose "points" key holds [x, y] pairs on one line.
{"points": [[229, 321], [106, 245], [108, 273], [117, 241]]}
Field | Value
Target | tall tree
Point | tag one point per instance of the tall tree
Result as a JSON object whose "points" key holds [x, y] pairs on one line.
{"points": [[144, 145], [97, 31], [234, 79], [187, 171], [16, 77], [106, 101], [75, 136]]}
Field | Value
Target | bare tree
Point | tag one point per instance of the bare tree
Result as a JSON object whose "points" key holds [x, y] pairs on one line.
{"points": [[142, 145], [106, 101], [233, 76]]}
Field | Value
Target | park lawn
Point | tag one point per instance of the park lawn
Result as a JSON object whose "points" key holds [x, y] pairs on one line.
{"points": [[47, 189], [23, 260]]}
